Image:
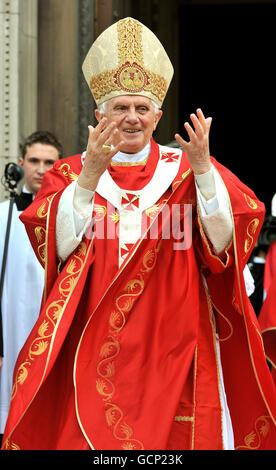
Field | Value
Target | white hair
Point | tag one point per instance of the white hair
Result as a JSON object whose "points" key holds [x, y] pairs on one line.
{"points": [[102, 107]]}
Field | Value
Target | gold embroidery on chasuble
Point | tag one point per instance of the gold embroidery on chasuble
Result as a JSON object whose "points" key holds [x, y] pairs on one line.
{"points": [[65, 170], [130, 75], [253, 440], [40, 232], [115, 217], [183, 177], [250, 202], [11, 445], [42, 211], [99, 212], [252, 226], [184, 419], [250, 232], [130, 164], [106, 369], [153, 210], [54, 310]]}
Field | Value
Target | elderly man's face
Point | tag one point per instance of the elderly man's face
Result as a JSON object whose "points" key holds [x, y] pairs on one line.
{"points": [[135, 119]]}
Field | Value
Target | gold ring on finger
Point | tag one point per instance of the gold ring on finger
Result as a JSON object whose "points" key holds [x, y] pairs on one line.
{"points": [[106, 148]]}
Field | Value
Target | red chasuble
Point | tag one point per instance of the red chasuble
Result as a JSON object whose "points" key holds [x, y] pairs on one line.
{"points": [[123, 355]]}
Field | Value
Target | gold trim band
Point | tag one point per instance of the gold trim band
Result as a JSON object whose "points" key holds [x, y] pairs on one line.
{"points": [[184, 418]]}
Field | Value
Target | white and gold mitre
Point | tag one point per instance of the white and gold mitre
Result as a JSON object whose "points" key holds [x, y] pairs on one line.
{"points": [[127, 59]]}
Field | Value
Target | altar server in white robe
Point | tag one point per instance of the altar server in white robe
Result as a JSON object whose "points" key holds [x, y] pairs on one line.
{"points": [[24, 276]]}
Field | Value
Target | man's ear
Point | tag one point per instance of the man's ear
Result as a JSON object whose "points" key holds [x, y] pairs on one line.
{"points": [[157, 118], [21, 161], [98, 115]]}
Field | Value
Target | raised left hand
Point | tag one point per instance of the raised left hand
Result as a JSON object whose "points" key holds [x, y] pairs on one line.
{"points": [[197, 149]]}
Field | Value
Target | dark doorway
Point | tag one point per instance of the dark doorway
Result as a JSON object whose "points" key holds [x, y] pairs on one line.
{"points": [[227, 67]]}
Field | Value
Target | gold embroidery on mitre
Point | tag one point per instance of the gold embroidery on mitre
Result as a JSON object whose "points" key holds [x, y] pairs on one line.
{"points": [[130, 41], [130, 79], [130, 75]]}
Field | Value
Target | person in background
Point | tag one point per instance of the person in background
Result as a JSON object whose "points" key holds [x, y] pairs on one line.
{"points": [[260, 262], [273, 206], [267, 318], [24, 275]]}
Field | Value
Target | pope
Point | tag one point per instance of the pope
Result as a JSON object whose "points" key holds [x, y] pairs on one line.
{"points": [[142, 342]]}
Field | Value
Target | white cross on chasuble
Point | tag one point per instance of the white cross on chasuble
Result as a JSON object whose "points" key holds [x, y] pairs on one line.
{"points": [[131, 205], [130, 201]]}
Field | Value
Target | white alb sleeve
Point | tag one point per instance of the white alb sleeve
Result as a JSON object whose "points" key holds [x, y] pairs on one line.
{"points": [[74, 216], [214, 209]]}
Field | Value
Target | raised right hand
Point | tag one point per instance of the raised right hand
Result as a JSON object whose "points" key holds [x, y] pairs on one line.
{"points": [[96, 160]]}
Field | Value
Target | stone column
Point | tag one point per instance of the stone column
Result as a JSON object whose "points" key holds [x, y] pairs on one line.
{"points": [[18, 77], [58, 68], [28, 62]]}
